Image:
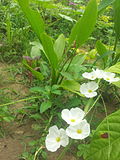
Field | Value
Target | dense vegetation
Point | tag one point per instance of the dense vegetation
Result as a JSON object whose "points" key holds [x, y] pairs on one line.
{"points": [[67, 54]]}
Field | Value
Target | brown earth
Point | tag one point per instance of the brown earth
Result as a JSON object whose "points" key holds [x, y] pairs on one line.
{"points": [[17, 135]]}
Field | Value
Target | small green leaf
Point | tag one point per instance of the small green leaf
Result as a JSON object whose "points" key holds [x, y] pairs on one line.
{"points": [[45, 106], [67, 17], [8, 119], [36, 116], [77, 61], [59, 46], [36, 49], [37, 89], [85, 25], [115, 69]]}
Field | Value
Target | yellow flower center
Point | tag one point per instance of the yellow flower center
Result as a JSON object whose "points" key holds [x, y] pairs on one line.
{"points": [[79, 131], [108, 79], [89, 90], [72, 120], [58, 139]]}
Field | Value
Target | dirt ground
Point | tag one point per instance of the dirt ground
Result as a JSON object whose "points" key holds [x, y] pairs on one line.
{"points": [[13, 143]]}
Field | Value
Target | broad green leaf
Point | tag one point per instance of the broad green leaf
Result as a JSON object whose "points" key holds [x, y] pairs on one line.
{"points": [[102, 50], [33, 17], [107, 148], [103, 4], [115, 68], [49, 50], [85, 25], [45, 106], [37, 74], [117, 17], [59, 46], [72, 86]]}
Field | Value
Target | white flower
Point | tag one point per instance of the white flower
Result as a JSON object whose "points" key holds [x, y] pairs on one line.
{"points": [[56, 138], [73, 116], [91, 75], [110, 77], [80, 131], [88, 89], [99, 73]]}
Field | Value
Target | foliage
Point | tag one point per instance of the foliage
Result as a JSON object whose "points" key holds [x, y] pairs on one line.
{"points": [[105, 140], [62, 40]]}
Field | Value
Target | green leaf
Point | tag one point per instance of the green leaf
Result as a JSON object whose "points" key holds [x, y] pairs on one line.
{"points": [[37, 89], [85, 25], [49, 50], [103, 4], [36, 116], [77, 61], [36, 49], [115, 68], [33, 17], [106, 148], [117, 17], [102, 50], [8, 119], [37, 74], [45, 106], [59, 46], [67, 17], [72, 86], [117, 84]]}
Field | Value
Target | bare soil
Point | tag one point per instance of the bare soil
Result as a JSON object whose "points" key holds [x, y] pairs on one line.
{"points": [[17, 135]]}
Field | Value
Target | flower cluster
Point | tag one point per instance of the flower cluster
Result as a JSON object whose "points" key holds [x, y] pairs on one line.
{"points": [[89, 89], [78, 129]]}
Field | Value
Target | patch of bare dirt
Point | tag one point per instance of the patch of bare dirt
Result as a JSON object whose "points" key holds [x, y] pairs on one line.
{"points": [[10, 149], [18, 135]]}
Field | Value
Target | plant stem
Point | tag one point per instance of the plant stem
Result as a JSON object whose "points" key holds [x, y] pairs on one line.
{"points": [[115, 46], [72, 56], [64, 151], [90, 101], [93, 104], [41, 147], [105, 108], [21, 100]]}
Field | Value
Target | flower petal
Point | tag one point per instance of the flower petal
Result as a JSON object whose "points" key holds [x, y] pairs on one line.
{"points": [[84, 88], [90, 95], [80, 131], [65, 114], [64, 138], [92, 85]]}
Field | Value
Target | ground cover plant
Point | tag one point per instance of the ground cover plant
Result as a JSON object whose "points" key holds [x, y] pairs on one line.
{"points": [[71, 65]]}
